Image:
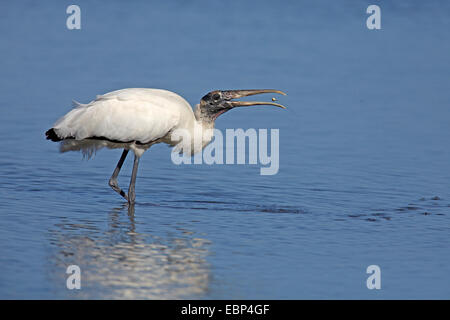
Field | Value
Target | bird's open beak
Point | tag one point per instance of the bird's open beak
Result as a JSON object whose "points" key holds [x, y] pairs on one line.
{"points": [[235, 94]]}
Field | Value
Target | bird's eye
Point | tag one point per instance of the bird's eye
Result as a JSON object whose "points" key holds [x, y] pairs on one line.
{"points": [[216, 96]]}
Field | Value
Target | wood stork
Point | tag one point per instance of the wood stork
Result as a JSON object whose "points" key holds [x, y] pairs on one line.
{"points": [[136, 118]]}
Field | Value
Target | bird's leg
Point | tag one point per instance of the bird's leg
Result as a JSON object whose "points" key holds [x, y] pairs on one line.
{"points": [[131, 193], [113, 180]]}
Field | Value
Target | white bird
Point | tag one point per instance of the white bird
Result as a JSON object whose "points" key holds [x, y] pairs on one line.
{"points": [[136, 118]]}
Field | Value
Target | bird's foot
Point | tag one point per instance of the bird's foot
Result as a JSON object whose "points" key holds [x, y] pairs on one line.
{"points": [[115, 186]]}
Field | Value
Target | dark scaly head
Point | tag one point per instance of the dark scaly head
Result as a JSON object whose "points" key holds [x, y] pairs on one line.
{"points": [[218, 102]]}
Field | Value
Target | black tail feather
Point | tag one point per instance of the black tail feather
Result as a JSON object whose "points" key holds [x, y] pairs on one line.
{"points": [[51, 135]]}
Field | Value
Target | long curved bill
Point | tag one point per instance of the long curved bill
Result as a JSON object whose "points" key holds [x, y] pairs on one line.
{"points": [[235, 94], [255, 103]]}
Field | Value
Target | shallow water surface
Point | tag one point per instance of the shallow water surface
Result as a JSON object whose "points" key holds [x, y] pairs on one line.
{"points": [[364, 158]]}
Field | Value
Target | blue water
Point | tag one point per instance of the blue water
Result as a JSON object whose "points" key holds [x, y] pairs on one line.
{"points": [[364, 158]]}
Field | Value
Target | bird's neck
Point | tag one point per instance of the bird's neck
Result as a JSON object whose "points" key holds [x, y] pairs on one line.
{"points": [[204, 119], [201, 129], [204, 128]]}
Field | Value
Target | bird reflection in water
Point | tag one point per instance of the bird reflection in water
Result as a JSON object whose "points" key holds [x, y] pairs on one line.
{"points": [[120, 263]]}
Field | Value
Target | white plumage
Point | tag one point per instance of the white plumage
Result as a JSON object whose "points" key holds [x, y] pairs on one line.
{"points": [[135, 119], [127, 115]]}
